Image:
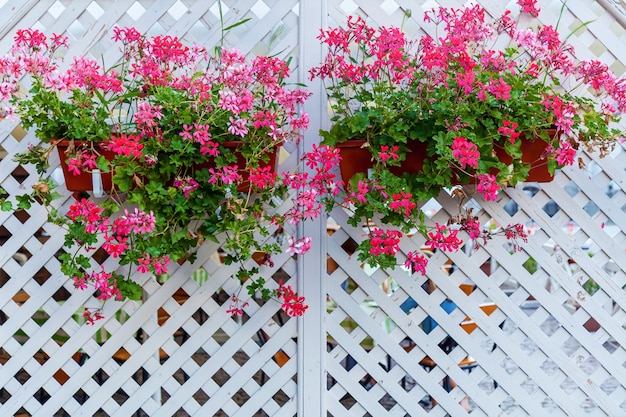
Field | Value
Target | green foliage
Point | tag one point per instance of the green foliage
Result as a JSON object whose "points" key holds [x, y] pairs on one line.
{"points": [[190, 141], [128, 288], [464, 102]]}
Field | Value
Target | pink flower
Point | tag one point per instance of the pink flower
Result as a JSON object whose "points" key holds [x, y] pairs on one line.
{"points": [[472, 227], [402, 201], [499, 88], [74, 166], [514, 232], [300, 122], [235, 308], [292, 304], [488, 186], [416, 262], [80, 282], [529, 6], [262, 177], [384, 242], [113, 248], [138, 222], [85, 210], [187, 185], [300, 246], [465, 152], [146, 116], [305, 206], [322, 158], [92, 316], [444, 238], [565, 154], [104, 282], [231, 101], [31, 39], [237, 127], [89, 160], [226, 175], [186, 133], [264, 118], [160, 264], [362, 190], [508, 129], [387, 153], [126, 145], [296, 180], [210, 148], [143, 264]]}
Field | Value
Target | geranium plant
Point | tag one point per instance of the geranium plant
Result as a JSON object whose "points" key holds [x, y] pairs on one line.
{"points": [[192, 139], [455, 109]]}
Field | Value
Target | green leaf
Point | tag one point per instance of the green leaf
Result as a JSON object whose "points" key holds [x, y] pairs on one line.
{"points": [[24, 201], [577, 28], [54, 195], [6, 206], [234, 25], [360, 122], [129, 288], [103, 163]]}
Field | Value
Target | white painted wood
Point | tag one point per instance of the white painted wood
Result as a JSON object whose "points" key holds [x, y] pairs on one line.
{"points": [[311, 398], [530, 359]]}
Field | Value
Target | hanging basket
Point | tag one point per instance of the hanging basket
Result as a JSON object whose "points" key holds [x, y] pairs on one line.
{"points": [[96, 181], [101, 182], [357, 159], [533, 154]]}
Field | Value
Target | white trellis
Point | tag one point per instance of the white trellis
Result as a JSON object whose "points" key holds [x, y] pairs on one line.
{"points": [[553, 343]]}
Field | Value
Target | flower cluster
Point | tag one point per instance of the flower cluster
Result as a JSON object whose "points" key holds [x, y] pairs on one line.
{"points": [[462, 98], [461, 108], [291, 303], [188, 137]]}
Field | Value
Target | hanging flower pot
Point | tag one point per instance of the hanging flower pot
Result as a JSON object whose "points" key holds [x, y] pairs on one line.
{"points": [[468, 106], [83, 178], [357, 158], [172, 172], [100, 182], [533, 153]]}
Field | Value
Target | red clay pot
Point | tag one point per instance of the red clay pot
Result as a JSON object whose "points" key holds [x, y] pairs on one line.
{"points": [[84, 181], [355, 159], [532, 151]]}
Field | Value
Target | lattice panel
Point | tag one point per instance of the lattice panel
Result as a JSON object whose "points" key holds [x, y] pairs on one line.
{"points": [[552, 343], [556, 331], [178, 352], [537, 332]]}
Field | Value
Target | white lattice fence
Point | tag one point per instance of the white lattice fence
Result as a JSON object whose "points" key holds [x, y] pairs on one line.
{"points": [[542, 331], [178, 352], [554, 345]]}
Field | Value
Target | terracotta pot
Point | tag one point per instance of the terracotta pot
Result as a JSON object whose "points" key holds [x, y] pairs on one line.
{"points": [[532, 151], [84, 181], [355, 159]]}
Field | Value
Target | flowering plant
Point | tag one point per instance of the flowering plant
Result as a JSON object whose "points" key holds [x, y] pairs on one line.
{"points": [[464, 102], [192, 141]]}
